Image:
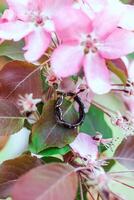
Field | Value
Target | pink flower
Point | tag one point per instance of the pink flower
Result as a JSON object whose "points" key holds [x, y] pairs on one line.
{"points": [[117, 7], [85, 146], [90, 44], [8, 15], [27, 103], [34, 21]]}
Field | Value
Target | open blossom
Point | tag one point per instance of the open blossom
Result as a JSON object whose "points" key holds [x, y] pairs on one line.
{"points": [[85, 146], [34, 22], [8, 15], [87, 43], [27, 103], [92, 7]]}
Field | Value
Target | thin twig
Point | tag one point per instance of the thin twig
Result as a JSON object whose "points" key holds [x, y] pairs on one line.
{"points": [[132, 187], [81, 188]]}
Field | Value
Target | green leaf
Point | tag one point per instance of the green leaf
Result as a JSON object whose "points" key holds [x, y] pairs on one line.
{"points": [[125, 1], [117, 70], [95, 122], [131, 56], [55, 151], [51, 160], [3, 6], [12, 50], [47, 133]]}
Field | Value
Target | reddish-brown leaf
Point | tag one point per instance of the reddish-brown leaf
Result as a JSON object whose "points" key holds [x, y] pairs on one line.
{"points": [[11, 120], [3, 140], [11, 170], [47, 133], [48, 182], [125, 152], [17, 78], [3, 61]]}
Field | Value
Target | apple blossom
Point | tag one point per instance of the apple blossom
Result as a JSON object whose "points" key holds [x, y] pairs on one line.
{"points": [[34, 22], [85, 146], [27, 103], [8, 15], [118, 8], [90, 46]]}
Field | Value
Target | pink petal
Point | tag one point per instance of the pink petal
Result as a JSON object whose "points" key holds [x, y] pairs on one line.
{"points": [[97, 5], [19, 7], [9, 15], [15, 30], [66, 60], [71, 28], [36, 44], [53, 6], [126, 21], [105, 22], [67, 85], [85, 146], [117, 44], [97, 74], [131, 71]]}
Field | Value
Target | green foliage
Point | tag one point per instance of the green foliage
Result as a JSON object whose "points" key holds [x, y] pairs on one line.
{"points": [[55, 151], [12, 50], [95, 122]]}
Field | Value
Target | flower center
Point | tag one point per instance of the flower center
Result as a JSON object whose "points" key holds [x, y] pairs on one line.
{"points": [[39, 21], [89, 44]]}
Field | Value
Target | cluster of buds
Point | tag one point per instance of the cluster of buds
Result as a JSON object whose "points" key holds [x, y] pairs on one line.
{"points": [[50, 76], [126, 123]]}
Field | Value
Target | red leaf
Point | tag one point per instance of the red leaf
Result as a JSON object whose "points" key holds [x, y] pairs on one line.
{"points": [[11, 170], [10, 119], [48, 133], [17, 78], [48, 182], [125, 152]]}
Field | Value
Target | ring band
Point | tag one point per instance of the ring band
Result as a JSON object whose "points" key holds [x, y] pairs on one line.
{"points": [[59, 112]]}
